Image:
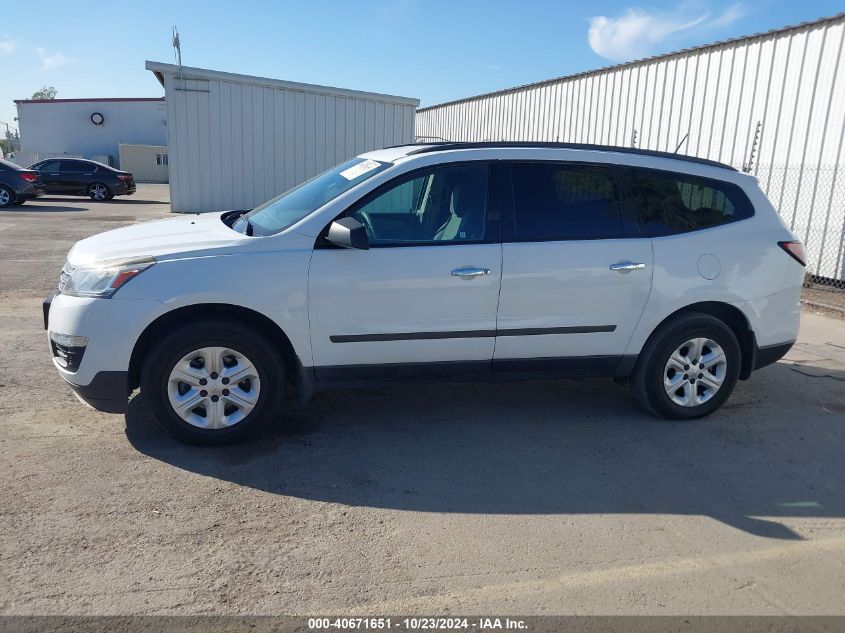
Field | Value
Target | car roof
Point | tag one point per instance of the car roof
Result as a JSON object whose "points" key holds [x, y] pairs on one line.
{"points": [[391, 154], [78, 160]]}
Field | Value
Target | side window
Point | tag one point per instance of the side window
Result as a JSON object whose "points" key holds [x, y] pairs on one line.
{"points": [[75, 166], [667, 203], [443, 204], [49, 166], [558, 201]]}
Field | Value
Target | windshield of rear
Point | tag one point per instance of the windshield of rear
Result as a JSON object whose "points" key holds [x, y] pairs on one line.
{"points": [[293, 205]]}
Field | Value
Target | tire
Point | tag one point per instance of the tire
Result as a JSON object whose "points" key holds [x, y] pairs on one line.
{"points": [[7, 197], [220, 415], [98, 191], [668, 381]]}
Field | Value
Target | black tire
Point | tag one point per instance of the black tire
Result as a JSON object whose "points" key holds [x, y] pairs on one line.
{"points": [[7, 199], [99, 192], [164, 355], [647, 380]]}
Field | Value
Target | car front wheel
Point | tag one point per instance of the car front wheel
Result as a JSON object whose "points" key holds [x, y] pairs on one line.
{"points": [[213, 382], [7, 197], [688, 368]]}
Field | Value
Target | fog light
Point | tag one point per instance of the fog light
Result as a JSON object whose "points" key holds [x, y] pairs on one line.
{"points": [[67, 340], [68, 350]]}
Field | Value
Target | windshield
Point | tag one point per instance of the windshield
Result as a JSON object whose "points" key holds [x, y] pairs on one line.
{"points": [[293, 205]]}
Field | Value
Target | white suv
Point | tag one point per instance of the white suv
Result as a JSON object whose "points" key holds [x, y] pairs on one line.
{"points": [[490, 260]]}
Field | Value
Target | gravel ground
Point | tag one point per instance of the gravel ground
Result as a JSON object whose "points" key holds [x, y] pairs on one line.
{"points": [[555, 497]]}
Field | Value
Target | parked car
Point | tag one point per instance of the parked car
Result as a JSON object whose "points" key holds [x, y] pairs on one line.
{"points": [[491, 260], [17, 185], [78, 177]]}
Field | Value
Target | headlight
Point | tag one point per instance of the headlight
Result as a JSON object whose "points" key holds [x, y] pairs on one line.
{"points": [[104, 279]]}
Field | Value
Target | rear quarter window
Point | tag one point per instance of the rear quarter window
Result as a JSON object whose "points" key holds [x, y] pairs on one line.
{"points": [[668, 203]]}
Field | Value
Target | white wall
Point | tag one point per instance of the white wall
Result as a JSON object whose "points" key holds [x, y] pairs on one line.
{"points": [[64, 126], [236, 141], [791, 81], [147, 163]]}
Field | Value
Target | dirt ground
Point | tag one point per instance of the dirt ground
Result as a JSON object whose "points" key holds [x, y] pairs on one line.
{"points": [[556, 497]]}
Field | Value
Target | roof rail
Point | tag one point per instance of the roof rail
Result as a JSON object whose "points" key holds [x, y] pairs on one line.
{"points": [[440, 147]]}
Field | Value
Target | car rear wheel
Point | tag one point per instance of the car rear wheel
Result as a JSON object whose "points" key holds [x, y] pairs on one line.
{"points": [[98, 191], [212, 382], [7, 197], [688, 368]]}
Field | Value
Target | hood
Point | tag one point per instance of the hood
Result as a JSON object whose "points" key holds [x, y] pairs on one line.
{"points": [[172, 236]]}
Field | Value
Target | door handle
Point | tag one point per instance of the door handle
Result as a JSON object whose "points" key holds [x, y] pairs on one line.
{"points": [[469, 273], [626, 267]]}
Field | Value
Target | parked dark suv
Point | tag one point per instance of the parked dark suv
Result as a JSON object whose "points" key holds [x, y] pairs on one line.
{"points": [[79, 177], [18, 184]]}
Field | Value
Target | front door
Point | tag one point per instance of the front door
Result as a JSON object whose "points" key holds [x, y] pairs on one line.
{"points": [[423, 297], [573, 286]]}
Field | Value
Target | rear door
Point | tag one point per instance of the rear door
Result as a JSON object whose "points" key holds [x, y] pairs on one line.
{"points": [[75, 176], [50, 172], [423, 298], [575, 276]]}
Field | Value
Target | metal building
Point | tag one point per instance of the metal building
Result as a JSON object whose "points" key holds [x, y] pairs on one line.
{"points": [[783, 88], [92, 128], [148, 163], [235, 141]]}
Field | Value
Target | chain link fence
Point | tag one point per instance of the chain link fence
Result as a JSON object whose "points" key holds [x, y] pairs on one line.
{"points": [[811, 201]]}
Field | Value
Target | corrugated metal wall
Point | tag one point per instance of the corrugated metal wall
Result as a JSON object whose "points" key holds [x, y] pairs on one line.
{"points": [[234, 144], [709, 101]]}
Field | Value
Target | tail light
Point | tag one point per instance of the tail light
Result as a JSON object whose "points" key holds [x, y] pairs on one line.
{"points": [[29, 177], [795, 250], [124, 177]]}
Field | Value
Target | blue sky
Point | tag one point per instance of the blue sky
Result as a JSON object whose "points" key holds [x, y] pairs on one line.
{"points": [[433, 50]]}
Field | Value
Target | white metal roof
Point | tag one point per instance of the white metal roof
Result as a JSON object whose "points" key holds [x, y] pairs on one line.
{"points": [[187, 72]]}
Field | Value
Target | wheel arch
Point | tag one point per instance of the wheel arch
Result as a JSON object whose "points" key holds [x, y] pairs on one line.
{"points": [[729, 314], [196, 312]]}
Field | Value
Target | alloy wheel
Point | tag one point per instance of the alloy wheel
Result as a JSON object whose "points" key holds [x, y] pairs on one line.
{"points": [[695, 372], [98, 192], [5, 197], [213, 387]]}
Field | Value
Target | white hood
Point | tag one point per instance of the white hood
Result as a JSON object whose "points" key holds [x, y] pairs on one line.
{"points": [[162, 237]]}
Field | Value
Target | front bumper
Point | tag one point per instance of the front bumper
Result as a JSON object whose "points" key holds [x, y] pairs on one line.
{"points": [[108, 391], [112, 327]]}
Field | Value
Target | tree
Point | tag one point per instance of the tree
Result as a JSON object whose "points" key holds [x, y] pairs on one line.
{"points": [[47, 92]]}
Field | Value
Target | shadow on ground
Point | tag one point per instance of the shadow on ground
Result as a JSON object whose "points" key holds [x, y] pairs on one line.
{"points": [[30, 207], [555, 447], [117, 200]]}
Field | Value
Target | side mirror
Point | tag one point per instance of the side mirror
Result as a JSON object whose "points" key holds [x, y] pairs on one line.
{"points": [[348, 233]]}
